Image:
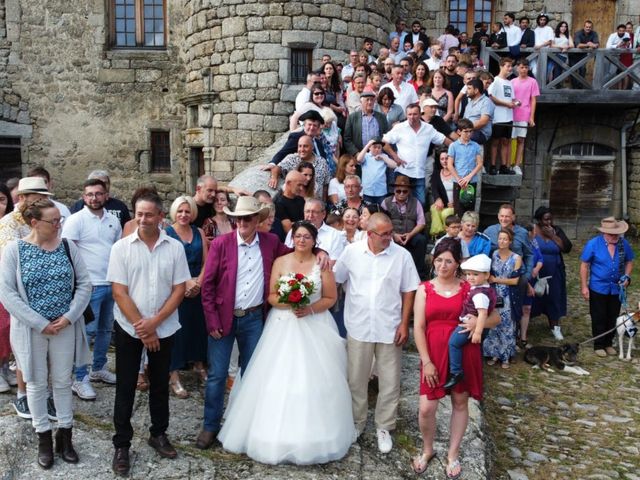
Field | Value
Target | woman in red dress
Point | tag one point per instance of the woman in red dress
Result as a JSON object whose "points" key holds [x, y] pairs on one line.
{"points": [[434, 322]]}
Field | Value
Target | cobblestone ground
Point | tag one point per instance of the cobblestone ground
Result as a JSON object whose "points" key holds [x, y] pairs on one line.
{"points": [[560, 425]]}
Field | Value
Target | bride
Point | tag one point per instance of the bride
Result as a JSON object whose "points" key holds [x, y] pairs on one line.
{"points": [[293, 404]]}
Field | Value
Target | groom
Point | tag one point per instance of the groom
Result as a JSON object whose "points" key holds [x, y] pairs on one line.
{"points": [[234, 293], [234, 299]]}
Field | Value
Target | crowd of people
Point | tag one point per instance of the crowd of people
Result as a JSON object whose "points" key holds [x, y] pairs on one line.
{"points": [[360, 196]]}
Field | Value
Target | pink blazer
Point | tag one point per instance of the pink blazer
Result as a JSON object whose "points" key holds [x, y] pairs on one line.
{"points": [[219, 284]]}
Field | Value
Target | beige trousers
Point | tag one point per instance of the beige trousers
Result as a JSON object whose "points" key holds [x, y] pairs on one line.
{"points": [[388, 363]]}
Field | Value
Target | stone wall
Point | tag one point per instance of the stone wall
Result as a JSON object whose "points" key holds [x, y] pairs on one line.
{"points": [[90, 106], [633, 162]]}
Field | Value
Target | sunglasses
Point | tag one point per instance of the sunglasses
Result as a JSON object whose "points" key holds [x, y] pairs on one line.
{"points": [[318, 93], [246, 218], [402, 190]]}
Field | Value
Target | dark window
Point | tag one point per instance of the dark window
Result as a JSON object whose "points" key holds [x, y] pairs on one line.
{"points": [[10, 160], [301, 60], [138, 23], [464, 14], [160, 152]]}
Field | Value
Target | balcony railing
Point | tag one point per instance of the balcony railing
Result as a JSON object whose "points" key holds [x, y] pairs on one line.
{"points": [[579, 75]]}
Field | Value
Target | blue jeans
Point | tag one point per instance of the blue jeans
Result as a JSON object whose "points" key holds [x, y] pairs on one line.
{"points": [[457, 340], [247, 331], [102, 307]]}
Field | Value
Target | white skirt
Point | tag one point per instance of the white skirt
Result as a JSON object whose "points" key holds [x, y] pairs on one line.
{"points": [[293, 404]]}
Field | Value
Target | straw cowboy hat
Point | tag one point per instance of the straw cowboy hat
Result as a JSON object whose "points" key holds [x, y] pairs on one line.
{"points": [[248, 206], [612, 226], [33, 185]]}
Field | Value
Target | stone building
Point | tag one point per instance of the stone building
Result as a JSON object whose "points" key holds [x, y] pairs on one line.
{"points": [[164, 90]]}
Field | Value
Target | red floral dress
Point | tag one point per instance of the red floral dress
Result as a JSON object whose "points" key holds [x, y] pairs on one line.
{"points": [[442, 317], [5, 347]]}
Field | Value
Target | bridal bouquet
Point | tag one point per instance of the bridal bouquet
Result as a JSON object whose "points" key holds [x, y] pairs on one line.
{"points": [[294, 289]]}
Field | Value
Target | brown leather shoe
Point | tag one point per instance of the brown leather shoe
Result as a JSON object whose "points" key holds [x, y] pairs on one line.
{"points": [[205, 439], [120, 464], [162, 446]]}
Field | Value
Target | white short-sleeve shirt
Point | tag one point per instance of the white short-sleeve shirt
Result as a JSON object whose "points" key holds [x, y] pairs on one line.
{"points": [[150, 276], [374, 285], [405, 94], [413, 146], [94, 237]]}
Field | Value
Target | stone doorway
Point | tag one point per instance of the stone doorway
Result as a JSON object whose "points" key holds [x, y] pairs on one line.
{"points": [[582, 186], [10, 158], [196, 165]]}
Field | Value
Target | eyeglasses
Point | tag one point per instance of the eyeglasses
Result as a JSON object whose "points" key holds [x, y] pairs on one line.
{"points": [[300, 236], [246, 218], [56, 222], [95, 195], [383, 234], [402, 190]]}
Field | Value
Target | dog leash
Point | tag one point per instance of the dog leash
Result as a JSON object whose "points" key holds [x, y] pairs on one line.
{"points": [[622, 296]]}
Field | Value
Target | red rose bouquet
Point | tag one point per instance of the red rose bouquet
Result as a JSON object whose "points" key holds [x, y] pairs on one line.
{"points": [[294, 289]]}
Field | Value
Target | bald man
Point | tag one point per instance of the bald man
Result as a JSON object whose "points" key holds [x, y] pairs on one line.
{"points": [[290, 202]]}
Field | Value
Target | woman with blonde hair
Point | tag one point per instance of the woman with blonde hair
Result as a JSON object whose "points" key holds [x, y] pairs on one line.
{"points": [[190, 341]]}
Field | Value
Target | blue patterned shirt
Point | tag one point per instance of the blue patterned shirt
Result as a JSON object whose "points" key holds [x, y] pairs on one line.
{"points": [[47, 279]]}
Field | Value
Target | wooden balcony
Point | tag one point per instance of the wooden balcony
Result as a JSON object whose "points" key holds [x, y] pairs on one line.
{"points": [[582, 76]]}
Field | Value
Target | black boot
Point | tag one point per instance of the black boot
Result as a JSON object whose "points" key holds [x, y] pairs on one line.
{"points": [[64, 447], [453, 380], [45, 450]]}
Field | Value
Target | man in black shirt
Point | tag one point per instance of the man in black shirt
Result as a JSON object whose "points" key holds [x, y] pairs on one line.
{"points": [[206, 188], [289, 203], [429, 107], [455, 80], [587, 38]]}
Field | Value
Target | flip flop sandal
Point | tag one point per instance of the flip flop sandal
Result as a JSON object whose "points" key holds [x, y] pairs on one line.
{"points": [[492, 362], [421, 462], [452, 466]]}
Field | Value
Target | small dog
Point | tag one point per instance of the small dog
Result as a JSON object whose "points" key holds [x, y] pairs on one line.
{"points": [[564, 358], [626, 326]]}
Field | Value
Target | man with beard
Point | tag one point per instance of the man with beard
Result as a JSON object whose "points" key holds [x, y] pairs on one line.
{"points": [[94, 231], [455, 80]]}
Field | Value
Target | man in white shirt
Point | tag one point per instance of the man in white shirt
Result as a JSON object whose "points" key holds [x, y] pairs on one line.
{"points": [[380, 281], [514, 33], [94, 230], [413, 138], [543, 32], [395, 52], [329, 239], [436, 57], [304, 96], [404, 93], [147, 270]]}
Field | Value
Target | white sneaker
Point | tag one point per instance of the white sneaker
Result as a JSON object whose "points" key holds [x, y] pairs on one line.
{"points": [[83, 389], [557, 333], [103, 375], [4, 386], [9, 376], [385, 443], [517, 170]]}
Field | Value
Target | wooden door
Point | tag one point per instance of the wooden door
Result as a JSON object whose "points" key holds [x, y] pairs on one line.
{"points": [[581, 193], [601, 12], [10, 158]]}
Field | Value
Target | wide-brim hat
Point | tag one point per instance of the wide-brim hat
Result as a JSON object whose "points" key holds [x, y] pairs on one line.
{"points": [[612, 226], [477, 263], [33, 185], [402, 181], [248, 206]]}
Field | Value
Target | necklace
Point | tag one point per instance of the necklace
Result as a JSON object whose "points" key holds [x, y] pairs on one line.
{"points": [[445, 291]]}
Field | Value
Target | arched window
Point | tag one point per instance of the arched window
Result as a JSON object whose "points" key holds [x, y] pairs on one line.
{"points": [[464, 14]]}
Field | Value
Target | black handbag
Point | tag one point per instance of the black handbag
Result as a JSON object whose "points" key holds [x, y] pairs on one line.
{"points": [[88, 313]]}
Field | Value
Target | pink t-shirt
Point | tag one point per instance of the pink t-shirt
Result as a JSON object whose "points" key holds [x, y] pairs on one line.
{"points": [[523, 90]]}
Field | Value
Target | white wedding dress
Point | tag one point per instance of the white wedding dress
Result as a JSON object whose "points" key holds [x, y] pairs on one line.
{"points": [[293, 404]]}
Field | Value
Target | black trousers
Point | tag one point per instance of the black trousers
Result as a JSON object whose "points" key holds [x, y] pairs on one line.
{"points": [[417, 247], [604, 310], [128, 353]]}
